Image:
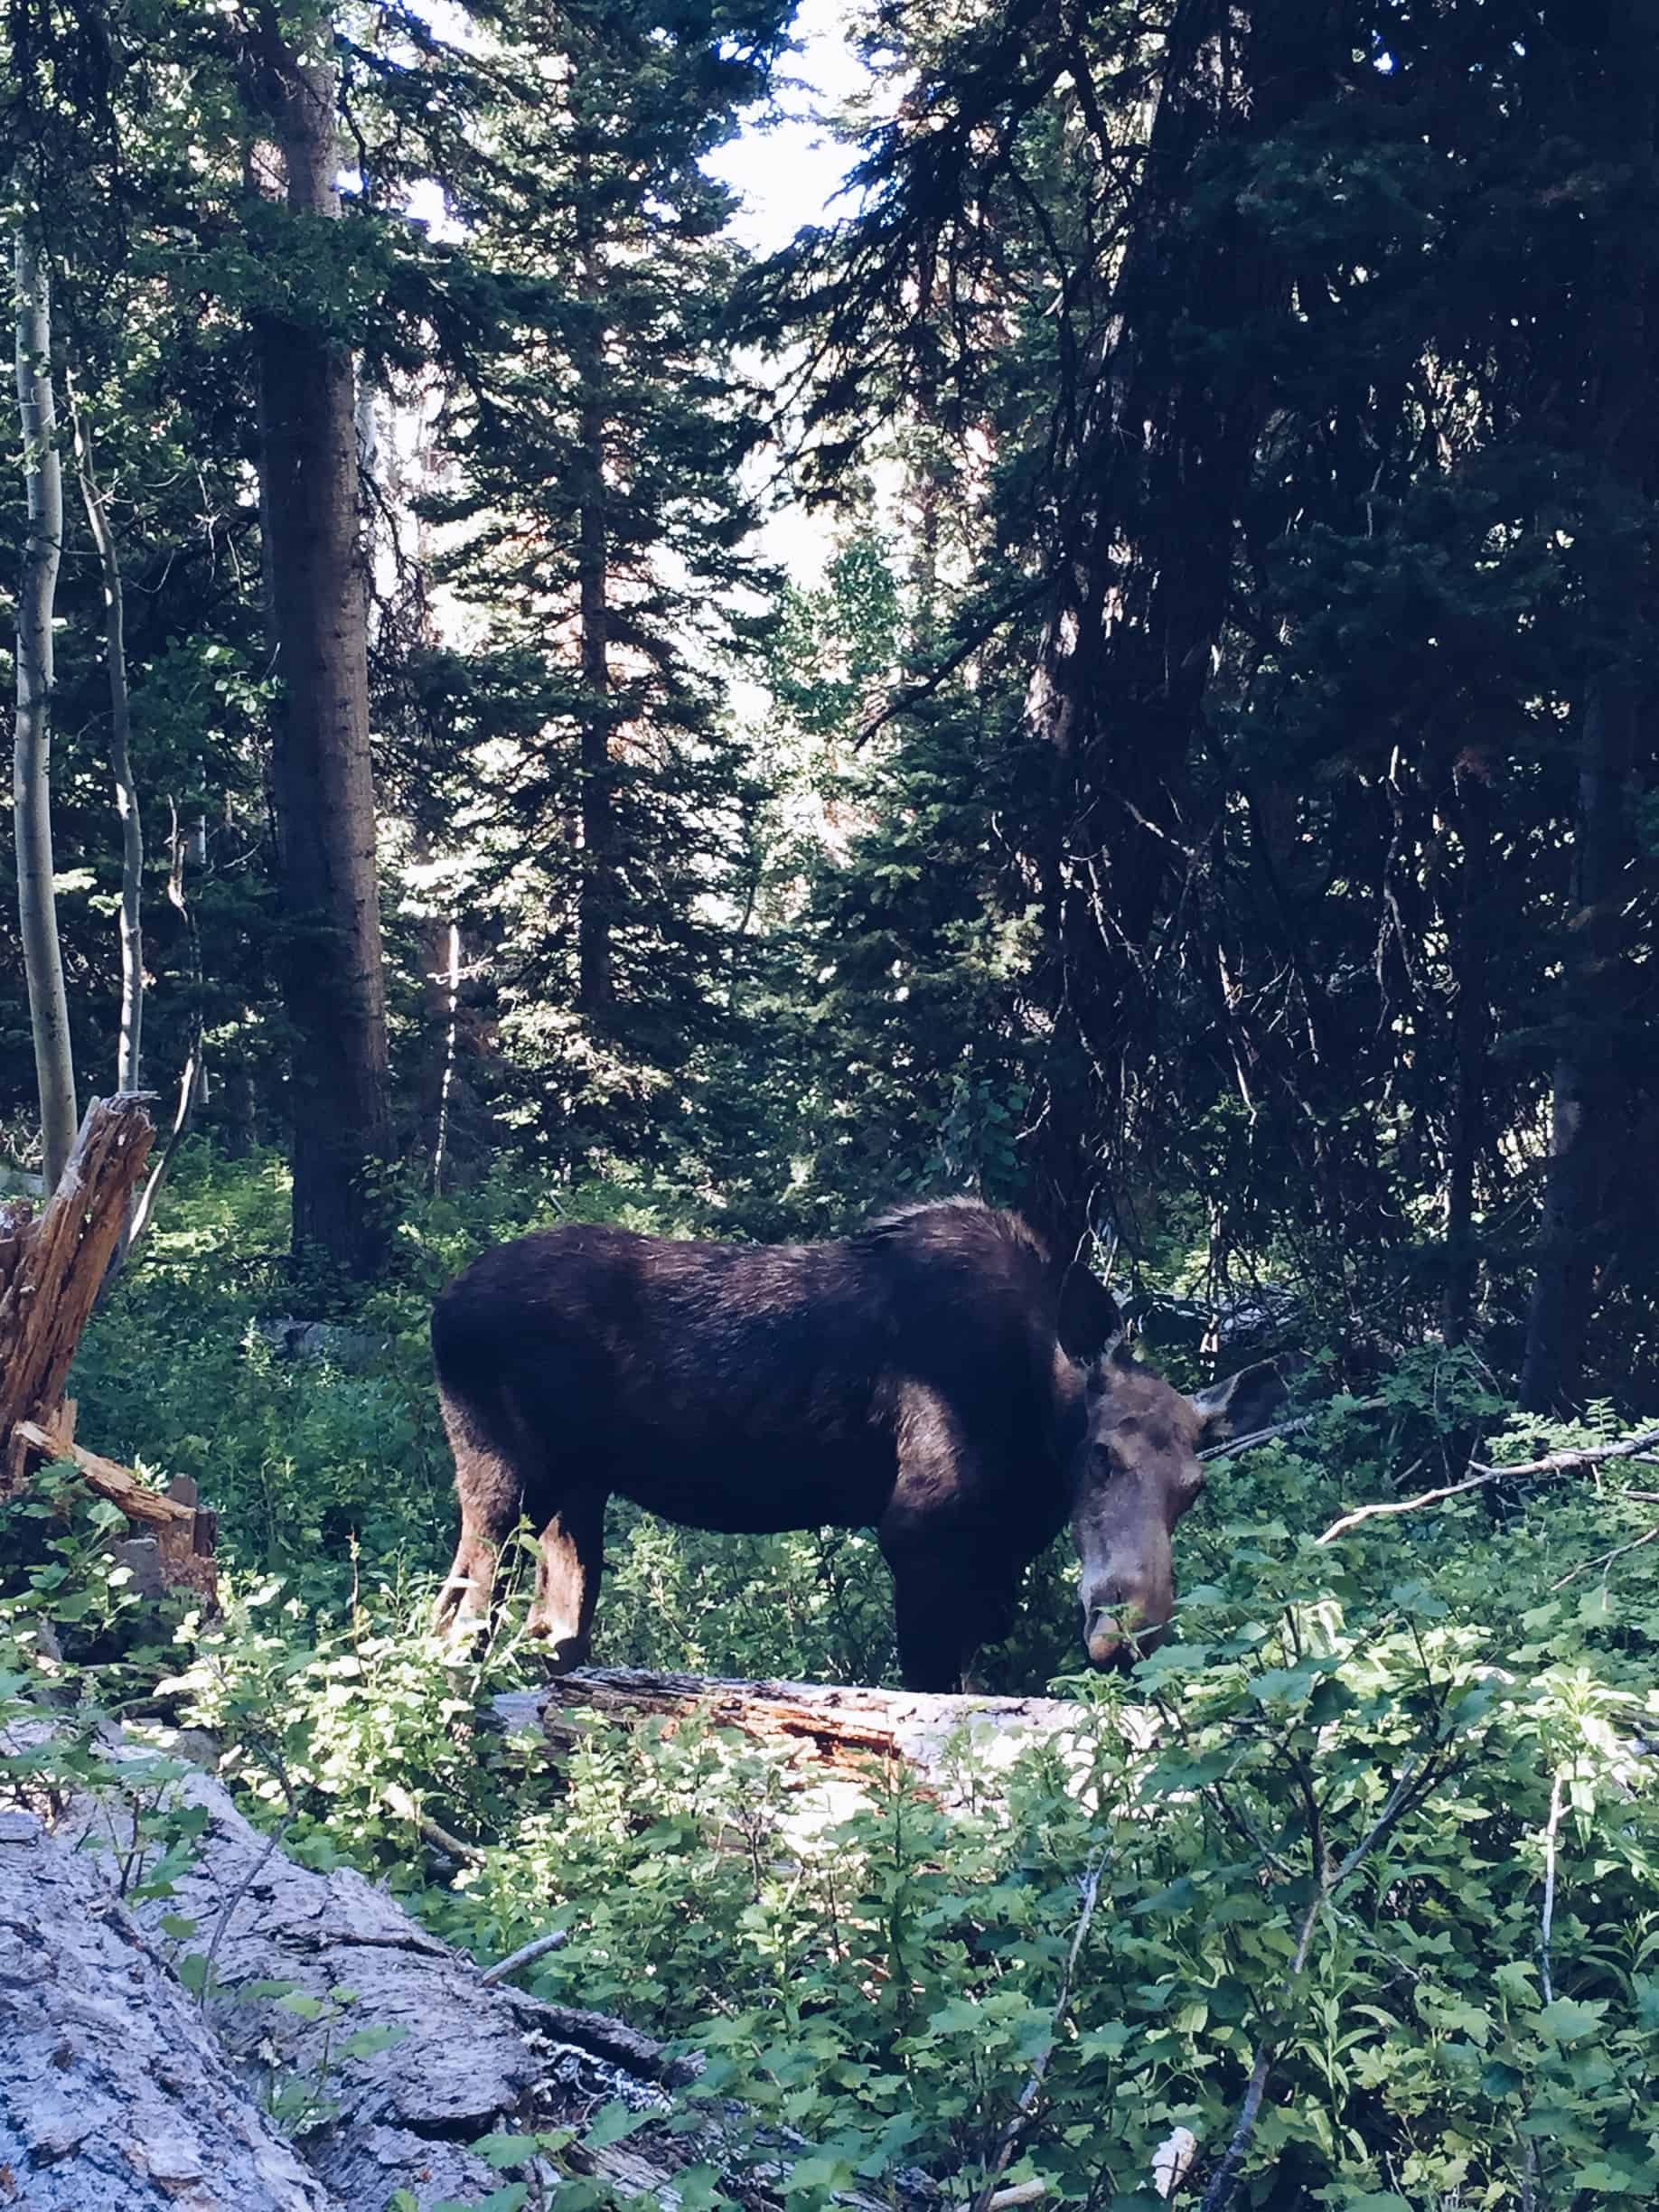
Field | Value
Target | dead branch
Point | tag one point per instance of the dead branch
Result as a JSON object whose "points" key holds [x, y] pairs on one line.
{"points": [[185, 1535], [1025, 2110], [1547, 1915], [525, 1955], [1552, 1464], [1606, 1559], [1235, 1445]]}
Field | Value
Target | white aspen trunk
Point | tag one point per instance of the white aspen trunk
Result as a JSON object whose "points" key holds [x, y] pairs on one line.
{"points": [[32, 762], [452, 999], [130, 1051]]}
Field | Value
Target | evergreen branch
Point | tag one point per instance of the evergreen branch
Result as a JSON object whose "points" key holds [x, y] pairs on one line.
{"points": [[916, 693]]}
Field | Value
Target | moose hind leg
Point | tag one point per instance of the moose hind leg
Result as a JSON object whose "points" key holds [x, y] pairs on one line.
{"points": [[491, 1486], [569, 1562]]}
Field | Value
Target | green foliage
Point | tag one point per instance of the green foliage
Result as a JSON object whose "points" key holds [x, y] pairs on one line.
{"points": [[1370, 1753]]}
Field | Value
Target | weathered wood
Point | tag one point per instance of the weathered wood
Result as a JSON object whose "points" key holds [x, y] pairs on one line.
{"points": [[832, 1734], [16, 1214], [180, 1554], [58, 1266], [119, 1484], [115, 2095], [470, 2057]]}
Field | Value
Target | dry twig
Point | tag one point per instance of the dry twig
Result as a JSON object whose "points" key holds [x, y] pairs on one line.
{"points": [[1025, 2110], [1553, 1463], [526, 1955]]}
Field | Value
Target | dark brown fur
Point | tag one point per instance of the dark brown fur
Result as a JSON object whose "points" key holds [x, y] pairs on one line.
{"points": [[909, 1379]]}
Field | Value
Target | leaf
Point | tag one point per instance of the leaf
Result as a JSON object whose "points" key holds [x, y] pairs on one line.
{"points": [[179, 1926], [824, 2170], [614, 2125], [1567, 2018], [369, 2041], [1619, 2180], [503, 2151]]}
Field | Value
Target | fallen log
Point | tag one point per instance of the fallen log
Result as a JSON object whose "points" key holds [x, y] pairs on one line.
{"points": [[114, 2096], [831, 1735], [446, 2057]]}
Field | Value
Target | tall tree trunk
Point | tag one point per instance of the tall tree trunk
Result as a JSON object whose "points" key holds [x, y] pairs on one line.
{"points": [[596, 981], [1146, 539], [1593, 1089], [322, 782], [129, 1054], [32, 760], [1467, 920]]}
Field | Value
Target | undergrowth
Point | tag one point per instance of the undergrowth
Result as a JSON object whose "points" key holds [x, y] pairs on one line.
{"points": [[1373, 1762]]}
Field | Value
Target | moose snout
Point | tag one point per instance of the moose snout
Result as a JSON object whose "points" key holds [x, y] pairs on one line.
{"points": [[1125, 1617]]}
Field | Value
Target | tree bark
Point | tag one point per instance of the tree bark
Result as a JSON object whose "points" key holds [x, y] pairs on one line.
{"points": [[323, 780], [468, 2056], [129, 1054], [115, 2095], [32, 762], [1468, 921], [834, 1733], [51, 1271], [597, 979], [1600, 1041]]}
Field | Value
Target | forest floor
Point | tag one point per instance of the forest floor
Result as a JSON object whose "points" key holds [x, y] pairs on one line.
{"points": [[1394, 1849]]}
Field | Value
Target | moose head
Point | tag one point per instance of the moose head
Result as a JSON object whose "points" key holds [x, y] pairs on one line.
{"points": [[1136, 1469]]}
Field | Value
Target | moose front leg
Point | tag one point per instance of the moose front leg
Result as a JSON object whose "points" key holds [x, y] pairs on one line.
{"points": [[949, 1597], [570, 1560]]}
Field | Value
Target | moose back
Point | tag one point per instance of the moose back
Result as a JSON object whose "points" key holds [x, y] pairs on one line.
{"points": [[935, 1377]]}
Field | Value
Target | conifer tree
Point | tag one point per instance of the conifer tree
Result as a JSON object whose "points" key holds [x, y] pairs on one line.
{"points": [[604, 523]]}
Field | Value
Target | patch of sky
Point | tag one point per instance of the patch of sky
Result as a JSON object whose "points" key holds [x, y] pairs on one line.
{"points": [[785, 165]]}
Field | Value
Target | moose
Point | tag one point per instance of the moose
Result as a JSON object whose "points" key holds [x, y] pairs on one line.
{"points": [[935, 1377]]}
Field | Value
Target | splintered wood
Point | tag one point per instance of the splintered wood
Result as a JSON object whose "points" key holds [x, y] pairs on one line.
{"points": [[52, 1270], [833, 1735]]}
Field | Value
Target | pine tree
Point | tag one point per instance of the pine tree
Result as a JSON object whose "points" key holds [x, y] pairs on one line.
{"points": [[602, 521]]}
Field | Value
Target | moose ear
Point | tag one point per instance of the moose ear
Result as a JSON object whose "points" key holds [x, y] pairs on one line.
{"points": [[1244, 1403], [1089, 1327]]}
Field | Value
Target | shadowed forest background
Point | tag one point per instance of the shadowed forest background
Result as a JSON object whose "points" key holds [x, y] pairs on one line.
{"points": [[1184, 765]]}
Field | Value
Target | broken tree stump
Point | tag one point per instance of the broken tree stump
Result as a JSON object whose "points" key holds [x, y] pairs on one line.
{"points": [[54, 1266], [52, 1270]]}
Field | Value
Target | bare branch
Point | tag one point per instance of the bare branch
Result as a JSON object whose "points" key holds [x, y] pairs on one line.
{"points": [[1547, 1914], [526, 1955], [1554, 1463], [914, 694], [1283, 1429], [1606, 1559], [1014, 2135]]}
